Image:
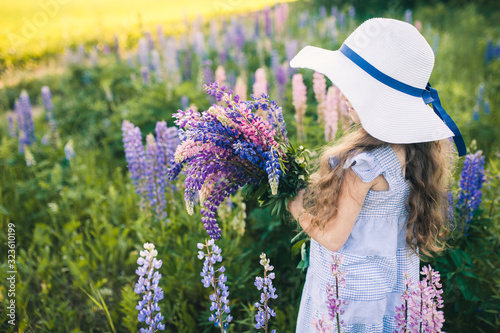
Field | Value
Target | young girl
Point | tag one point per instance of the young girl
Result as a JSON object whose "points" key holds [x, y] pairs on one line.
{"points": [[379, 197]]}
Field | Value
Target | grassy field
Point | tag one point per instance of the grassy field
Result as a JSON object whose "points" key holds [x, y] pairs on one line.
{"points": [[31, 28]]}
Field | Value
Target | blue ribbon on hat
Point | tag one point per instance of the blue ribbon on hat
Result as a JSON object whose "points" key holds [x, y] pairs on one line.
{"points": [[429, 95]]}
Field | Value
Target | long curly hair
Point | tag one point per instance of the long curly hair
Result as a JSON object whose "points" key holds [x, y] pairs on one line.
{"points": [[429, 168]]}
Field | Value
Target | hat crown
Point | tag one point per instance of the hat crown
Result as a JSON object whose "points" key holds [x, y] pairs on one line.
{"points": [[395, 48]]}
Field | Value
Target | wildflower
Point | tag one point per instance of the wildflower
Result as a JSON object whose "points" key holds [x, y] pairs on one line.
{"points": [[240, 88], [471, 182], [220, 75], [334, 302], [260, 85], [421, 300], [323, 324], [143, 52], [299, 102], [27, 122], [219, 298], [145, 74], [156, 65], [148, 285], [268, 292], [352, 12], [331, 113], [319, 87], [408, 15], [68, 150]]}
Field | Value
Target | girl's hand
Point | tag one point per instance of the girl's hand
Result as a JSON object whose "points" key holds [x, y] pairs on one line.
{"points": [[297, 204]]}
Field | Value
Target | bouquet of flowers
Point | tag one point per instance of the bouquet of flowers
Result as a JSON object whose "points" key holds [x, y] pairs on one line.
{"points": [[229, 146]]}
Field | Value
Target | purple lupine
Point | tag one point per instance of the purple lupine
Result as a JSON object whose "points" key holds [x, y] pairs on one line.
{"points": [[154, 179], [161, 36], [341, 20], [143, 52], [352, 12], [184, 102], [408, 16], [12, 128], [20, 126], [156, 65], [421, 301], [145, 74], [267, 21], [219, 298], [148, 285], [471, 182], [207, 72], [322, 12], [28, 126], [265, 312], [136, 158], [281, 80]]}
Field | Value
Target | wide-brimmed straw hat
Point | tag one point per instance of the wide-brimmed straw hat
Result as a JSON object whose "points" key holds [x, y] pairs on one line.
{"points": [[383, 69]]}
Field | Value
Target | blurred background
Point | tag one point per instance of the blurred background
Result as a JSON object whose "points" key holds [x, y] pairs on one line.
{"points": [[71, 72]]}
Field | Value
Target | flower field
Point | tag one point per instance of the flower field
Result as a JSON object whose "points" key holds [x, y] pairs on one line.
{"points": [[138, 194]]}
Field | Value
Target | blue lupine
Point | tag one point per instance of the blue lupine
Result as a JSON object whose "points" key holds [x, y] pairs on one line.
{"points": [[145, 74], [352, 12], [471, 182], [408, 16], [28, 126], [148, 285], [273, 170], [184, 102], [136, 158], [265, 312], [219, 298]]}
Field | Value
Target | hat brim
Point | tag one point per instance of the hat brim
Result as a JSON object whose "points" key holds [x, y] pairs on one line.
{"points": [[385, 113]]}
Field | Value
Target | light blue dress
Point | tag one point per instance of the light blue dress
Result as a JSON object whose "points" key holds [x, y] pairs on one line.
{"points": [[375, 254]]}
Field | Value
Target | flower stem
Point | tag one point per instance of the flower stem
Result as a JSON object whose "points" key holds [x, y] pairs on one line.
{"points": [[214, 284]]}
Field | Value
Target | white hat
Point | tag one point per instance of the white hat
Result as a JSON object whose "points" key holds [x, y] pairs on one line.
{"points": [[390, 90]]}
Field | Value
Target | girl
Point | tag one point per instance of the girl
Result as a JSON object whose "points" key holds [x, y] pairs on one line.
{"points": [[379, 197]]}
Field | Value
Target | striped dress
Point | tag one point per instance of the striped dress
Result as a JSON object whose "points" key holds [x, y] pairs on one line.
{"points": [[375, 254]]}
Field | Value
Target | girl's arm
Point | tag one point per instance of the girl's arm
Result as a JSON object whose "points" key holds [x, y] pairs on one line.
{"points": [[352, 195]]}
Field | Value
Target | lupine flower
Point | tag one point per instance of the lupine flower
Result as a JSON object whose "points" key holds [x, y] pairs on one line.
{"points": [[207, 71], [145, 74], [148, 286], [267, 21], [299, 102], [28, 126], [281, 15], [418, 25], [68, 150], [143, 52], [136, 158], [352, 12], [341, 20], [331, 113], [334, 302], [220, 75], [148, 169], [219, 298], [319, 87], [184, 102], [231, 141], [268, 292], [260, 85], [156, 65], [240, 88], [421, 301], [471, 182], [408, 15]]}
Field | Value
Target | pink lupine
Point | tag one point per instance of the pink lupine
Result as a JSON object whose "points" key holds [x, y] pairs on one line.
{"points": [[260, 85], [240, 88], [220, 75], [331, 114], [319, 87], [323, 324], [299, 102]]}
